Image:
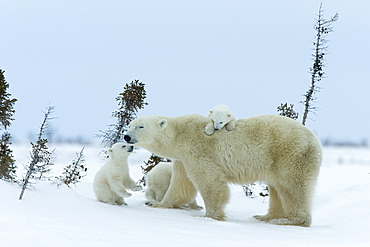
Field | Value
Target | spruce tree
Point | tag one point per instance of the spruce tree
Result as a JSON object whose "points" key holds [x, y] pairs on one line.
{"points": [[130, 101], [287, 111], [74, 172], [322, 27], [7, 162], [39, 165]]}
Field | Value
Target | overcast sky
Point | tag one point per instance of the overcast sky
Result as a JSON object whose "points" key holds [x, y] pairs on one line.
{"points": [[250, 55]]}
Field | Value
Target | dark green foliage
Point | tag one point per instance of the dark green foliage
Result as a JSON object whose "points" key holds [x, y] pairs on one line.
{"points": [[322, 27], [130, 101], [40, 162], [74, 172], [255, 190], [7, 162], [287, 111], [6, 103], [40, 159], [149, 165]]}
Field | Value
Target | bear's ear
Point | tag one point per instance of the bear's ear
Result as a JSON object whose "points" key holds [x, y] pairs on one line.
{"points": [[229, 115], [110, 150], [162, 123]]}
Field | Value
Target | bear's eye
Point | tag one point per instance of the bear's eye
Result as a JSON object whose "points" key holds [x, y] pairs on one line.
{"points": [[221, 122], [141, 127], [123, 146]]}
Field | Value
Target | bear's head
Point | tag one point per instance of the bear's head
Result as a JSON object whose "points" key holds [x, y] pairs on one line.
{"points": [[220, 119], [120, 150], [145, 130]]}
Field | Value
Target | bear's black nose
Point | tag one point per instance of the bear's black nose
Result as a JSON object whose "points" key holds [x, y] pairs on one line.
{"points": [[127, 138]]}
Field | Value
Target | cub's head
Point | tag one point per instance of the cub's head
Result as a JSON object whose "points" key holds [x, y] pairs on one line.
{"points": [[145, 130], [220, 118], [120, 149], [220, 115]]}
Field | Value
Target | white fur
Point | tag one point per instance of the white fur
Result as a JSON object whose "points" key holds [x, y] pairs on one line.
{"points": [[270, 148], [158, 180], [113, 179], [220, 116]]}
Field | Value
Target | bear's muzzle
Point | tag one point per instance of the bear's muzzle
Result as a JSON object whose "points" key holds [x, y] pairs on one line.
{"points": [[128, 139]]}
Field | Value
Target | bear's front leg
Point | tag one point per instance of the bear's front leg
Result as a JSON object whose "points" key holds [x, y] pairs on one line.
{"points": [[181, 190], [117, 187], [133, 186], [211, 184], [215, 196], [194, 205], [209, 129], [230, 125]]}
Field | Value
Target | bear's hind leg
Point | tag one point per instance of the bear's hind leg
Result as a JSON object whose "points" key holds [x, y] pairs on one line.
{"points": [[120, 201], [296, 205], [276, 210]]}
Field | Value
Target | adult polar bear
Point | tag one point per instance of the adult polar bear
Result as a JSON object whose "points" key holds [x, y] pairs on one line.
{"points": [[275, 149]]}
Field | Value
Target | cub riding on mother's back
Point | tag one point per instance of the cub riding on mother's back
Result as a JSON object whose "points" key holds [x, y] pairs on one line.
{"points": [[218, 117], [275, 149]]}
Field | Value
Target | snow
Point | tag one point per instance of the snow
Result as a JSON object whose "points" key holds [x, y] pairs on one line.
{"points": [[48, 216]]}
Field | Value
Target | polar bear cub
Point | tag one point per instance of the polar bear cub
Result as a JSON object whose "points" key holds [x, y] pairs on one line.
{"points": [[220, 116], [112, 180], [158, 180]]}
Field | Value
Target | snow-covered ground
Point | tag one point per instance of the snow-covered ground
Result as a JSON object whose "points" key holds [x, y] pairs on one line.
{"points": [[48, 216]]}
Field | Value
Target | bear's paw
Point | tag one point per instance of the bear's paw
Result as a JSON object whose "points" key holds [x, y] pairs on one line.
{"points": [[136, 188]]}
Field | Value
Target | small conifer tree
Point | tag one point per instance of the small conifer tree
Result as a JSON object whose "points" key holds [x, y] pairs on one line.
{"points": [[323, 27], [7, 162], [130, 101], [39, 165], [287, 111], [73, 173]]}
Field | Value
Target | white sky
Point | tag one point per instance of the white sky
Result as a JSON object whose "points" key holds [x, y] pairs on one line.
{"points": [[192, 55]]}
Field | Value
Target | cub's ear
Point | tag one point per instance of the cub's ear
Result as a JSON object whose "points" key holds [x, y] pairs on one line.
{"points": [[162, 123], [110, 150], [229, 115]]}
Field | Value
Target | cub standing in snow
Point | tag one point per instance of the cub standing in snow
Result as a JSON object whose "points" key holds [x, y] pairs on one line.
{"points": [[158, 180], [112, 180], [219, 117]]}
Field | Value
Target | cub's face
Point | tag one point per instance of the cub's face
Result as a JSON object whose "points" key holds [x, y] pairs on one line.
{"points": [[220, 119], [144, 130], [121, 149]]}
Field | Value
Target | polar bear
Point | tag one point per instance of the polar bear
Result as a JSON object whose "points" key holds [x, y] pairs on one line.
{"points": [[158, 180], [220, 116], [112, 180], [270, 148]]}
